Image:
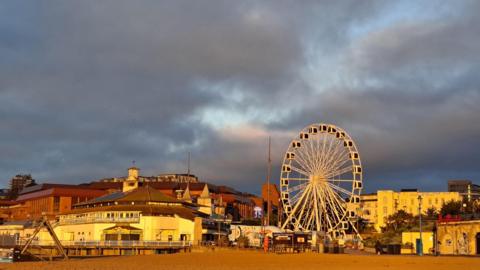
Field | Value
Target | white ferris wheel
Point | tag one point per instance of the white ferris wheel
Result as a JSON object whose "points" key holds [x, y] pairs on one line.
{"points": [[321, 181]]}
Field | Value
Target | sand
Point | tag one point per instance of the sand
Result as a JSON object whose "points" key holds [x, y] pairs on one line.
{"points": [[226, 259]]}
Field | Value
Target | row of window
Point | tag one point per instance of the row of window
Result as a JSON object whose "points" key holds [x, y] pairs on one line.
{"points": [[102, 215]]}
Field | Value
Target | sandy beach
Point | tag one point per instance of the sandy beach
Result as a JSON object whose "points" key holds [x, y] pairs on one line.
{"points": [[227, 259]]}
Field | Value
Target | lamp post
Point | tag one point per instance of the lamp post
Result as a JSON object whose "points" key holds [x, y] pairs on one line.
{"points": [[420, 243]]}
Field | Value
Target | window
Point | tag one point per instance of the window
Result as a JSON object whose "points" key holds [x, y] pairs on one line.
{"points": [[56, 204]]}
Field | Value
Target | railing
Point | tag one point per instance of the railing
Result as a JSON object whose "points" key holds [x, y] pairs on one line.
{"points": [[107, 243], [93, 220]]}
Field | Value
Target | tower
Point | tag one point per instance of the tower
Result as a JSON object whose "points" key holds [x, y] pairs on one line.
{"points": [[186, 195], [132, 179], [205, 201]]}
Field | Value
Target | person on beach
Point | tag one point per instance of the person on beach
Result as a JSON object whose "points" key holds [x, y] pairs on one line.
{"points": [[378, 248]]}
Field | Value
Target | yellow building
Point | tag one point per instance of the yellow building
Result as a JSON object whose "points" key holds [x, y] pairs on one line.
{"points": [[411, 238], [138, 215], [142, 214], [459, 237], [375, 208]]}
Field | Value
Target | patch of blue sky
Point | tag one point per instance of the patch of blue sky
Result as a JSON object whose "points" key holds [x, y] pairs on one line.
{"points": [[330, 69], [238, 106], [407, 11], [221, 117]]}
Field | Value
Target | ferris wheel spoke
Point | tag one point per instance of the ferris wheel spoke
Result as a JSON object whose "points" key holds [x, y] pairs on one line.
{"points": [[338, 172], [340, 203], [296, 197], [303, 216], [316, 208], [310, 219], [299, 170], [297, 204], [302, 161], [322, 151], [334, 208], [300, 215], [306, 157], [346, 192], [336, 203], [310, 213], [326, 217], [328, 152], [335, 154], [339, 164], [298, 187], [339, 180], [341, 159], [297, 178], [312, 154]]}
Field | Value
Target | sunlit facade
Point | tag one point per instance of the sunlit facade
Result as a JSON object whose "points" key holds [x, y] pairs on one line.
{"points": [[375, 208]]}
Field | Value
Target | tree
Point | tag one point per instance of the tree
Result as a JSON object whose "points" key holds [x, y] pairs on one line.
{"points": [[400, 220], [451, 208], [431, 213]]}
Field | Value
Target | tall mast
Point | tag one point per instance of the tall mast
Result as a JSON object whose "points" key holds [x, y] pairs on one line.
{"points": [[188, 163], [268, 182]]}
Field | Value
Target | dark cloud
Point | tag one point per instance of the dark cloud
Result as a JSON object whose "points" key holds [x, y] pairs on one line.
{"points": [[86, 87]]}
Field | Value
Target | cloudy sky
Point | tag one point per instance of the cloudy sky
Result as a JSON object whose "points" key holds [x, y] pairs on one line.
{"points": [[88, 86]]}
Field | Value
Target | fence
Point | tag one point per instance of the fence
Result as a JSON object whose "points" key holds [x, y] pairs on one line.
{"points": [[125, 243]]}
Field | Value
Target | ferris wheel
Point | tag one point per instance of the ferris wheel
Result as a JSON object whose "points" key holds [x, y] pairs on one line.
{"points": [[321, 181]]}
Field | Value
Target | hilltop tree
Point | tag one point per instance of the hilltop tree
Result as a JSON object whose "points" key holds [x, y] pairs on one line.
{"points": [[451, 208], [399, 221], [431, 213]]}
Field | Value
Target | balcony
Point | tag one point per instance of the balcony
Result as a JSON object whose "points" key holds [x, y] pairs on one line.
{"points": [[85, 220]]}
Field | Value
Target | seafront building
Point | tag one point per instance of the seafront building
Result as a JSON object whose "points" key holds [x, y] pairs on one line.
{"points": [[376, 207], [459, 237], [468, 190], [138, 218], [53, 199]]}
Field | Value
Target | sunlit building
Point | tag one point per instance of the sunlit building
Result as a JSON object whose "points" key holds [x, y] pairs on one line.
{"points": [[466, 188], [50, 200], [459, 237], [376, 207], [137, 216]]}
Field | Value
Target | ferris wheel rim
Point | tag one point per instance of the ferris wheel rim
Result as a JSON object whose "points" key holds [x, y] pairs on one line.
{"points": [[318, 181]]}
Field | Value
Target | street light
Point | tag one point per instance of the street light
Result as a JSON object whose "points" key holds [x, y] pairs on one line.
{"points": [[420, 243]]}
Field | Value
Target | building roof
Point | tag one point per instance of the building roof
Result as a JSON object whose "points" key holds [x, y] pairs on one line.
{"points": [[123, 227], [179, 210], [140, 194], [104, 185], [60, 190], [45, 186], [7, 203], [24, 223]]}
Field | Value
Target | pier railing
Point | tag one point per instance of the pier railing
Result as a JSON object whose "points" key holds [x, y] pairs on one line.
{"points": [[107, 243], [83, 220]]}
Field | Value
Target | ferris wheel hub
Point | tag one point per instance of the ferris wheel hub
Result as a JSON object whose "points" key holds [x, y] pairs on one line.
{"points": [[316, 178]]}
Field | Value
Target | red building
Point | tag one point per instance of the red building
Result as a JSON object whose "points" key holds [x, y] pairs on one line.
{"points": [[50, 199]]}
